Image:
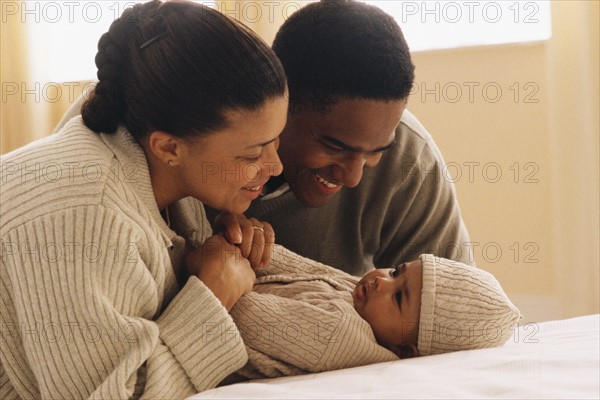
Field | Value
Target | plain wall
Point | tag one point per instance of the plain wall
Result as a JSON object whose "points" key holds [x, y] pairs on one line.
{"points": [[487, 109]]}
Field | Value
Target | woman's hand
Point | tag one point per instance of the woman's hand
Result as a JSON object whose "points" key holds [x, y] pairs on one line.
{"points": [[222, 268], [255, 238]]}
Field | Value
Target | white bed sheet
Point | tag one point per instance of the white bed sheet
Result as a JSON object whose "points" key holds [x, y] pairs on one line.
{"points": [[555, 359]]}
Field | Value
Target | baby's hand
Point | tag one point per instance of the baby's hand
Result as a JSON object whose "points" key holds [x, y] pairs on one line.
{"points": [[222, 268]]}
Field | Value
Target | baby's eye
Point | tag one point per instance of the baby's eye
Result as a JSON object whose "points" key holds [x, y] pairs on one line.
{"points": [[399, 298]]}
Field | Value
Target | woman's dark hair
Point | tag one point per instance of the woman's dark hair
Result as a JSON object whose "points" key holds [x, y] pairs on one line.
{"points": [[334, 49], [178, 66]]}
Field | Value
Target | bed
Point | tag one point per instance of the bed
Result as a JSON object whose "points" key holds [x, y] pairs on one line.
{"points": [[554, 359]]}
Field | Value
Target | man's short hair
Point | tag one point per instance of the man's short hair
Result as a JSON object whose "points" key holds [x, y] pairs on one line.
{"points": [[343, 49]]}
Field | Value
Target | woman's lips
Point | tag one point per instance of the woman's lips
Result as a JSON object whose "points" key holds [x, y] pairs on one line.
{"points": [[252, 192], [255, 187]]}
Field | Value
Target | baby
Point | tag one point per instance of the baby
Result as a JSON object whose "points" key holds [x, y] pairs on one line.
{"points": [[304, 317]]}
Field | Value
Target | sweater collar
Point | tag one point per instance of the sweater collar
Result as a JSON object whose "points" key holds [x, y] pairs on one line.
{"points": [[132, 163]]}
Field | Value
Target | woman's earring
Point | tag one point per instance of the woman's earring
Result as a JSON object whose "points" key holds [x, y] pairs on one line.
{"points": [[170, 163]]}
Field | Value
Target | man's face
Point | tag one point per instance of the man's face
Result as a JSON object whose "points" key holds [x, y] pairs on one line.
{"points": [[323, 151]]}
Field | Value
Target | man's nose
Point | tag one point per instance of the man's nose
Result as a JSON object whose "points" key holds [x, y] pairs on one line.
{"points": [[350, 170]]}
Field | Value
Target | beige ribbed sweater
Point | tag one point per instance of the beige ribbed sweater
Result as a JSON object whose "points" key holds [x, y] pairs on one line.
{"points": [[89, 301], [300, 318]]}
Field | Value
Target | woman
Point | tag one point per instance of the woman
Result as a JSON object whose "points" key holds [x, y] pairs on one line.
{"points": [[188, 110]]}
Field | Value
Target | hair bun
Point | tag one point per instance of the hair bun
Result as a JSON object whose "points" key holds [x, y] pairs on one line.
{"points": [[101, 113]]}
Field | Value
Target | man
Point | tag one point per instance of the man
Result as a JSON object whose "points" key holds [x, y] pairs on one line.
{"points": [[362, 182]]}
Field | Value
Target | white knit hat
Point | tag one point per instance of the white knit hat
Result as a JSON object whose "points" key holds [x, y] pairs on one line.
{"points": [[462, 307]]}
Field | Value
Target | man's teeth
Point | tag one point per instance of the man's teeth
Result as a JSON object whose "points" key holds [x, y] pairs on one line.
{"points": [[325, 182]]}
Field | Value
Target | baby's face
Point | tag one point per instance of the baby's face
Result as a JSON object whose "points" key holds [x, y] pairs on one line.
{"points": [[390, 301]]}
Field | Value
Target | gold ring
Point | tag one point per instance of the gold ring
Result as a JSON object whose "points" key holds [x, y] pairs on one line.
{"points": [[258, 228]]}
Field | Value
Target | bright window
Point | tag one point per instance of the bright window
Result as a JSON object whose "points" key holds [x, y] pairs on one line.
{"points": [[443, 24]]}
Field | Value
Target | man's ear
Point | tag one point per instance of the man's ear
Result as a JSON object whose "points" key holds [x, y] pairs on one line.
{"points": [[406, 351], [165, 147]]}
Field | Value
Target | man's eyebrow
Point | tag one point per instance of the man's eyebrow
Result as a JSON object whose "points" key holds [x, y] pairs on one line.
{"points": [[347, 147]]}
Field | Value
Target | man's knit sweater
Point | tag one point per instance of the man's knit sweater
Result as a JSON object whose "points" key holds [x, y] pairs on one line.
{"points": [[90, 306], [300, 318]]}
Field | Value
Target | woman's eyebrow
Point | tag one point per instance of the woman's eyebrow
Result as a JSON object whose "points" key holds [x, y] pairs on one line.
{"points": [[261, 144]]}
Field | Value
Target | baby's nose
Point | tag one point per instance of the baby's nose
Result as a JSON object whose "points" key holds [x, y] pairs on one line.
{"points": [[378, 283], [381, 282]]}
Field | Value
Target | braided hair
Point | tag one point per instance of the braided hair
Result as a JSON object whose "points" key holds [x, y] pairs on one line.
{"points": [[178, 66]]}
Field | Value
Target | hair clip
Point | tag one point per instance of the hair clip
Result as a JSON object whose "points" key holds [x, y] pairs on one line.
{"points": [[153, 40]]}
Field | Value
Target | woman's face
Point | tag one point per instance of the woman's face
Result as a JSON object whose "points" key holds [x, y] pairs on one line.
{"points": [[227, 169]]}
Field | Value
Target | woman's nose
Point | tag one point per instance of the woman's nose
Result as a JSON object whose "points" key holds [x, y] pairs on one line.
{"points": [[272, 164]]}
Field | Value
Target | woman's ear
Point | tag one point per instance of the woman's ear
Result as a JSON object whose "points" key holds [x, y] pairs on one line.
{"points": [[165, 147], [406, 350]]}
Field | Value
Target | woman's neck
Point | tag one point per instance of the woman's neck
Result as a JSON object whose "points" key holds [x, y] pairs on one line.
{"points": [[164, 180]]}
